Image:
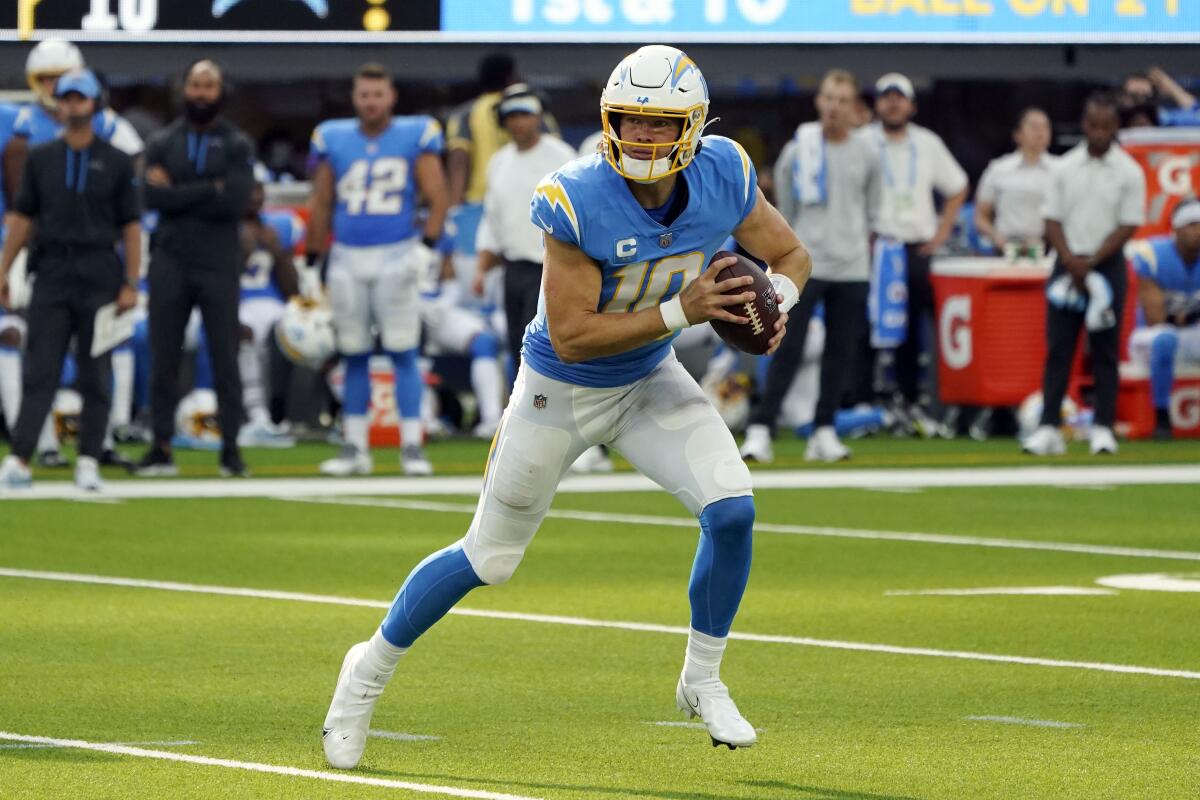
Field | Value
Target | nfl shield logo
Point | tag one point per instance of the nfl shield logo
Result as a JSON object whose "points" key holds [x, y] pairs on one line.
{"points": [[539, 401], [665, 240]]}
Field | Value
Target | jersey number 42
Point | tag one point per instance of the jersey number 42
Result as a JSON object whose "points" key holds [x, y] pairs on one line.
{"points": [[374, 187]]}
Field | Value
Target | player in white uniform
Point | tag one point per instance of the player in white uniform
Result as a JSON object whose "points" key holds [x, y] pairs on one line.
{"points": [[368, 172], [269, 279], [628, 233], [1168, 331], [454, 323]]}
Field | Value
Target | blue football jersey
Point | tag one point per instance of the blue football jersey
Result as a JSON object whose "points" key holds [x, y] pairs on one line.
{"points": [[1159, 260], [39, 126], [376, 191], [258, 272], [8, 118], [642, 263]]}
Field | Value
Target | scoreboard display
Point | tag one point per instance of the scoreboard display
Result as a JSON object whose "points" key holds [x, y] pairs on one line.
{"points": [[216, 20]]}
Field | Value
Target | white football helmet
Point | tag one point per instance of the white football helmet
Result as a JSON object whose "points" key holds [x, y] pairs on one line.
{"points": [[49, 59], [654, 81], [196, 417], [305, 332]]}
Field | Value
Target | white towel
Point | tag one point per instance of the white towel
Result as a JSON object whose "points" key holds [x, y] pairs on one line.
{"points": [[1099, 314], [808, 168]]}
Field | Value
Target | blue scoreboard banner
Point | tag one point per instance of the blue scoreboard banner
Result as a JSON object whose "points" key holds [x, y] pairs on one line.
{"points": [[827, 21]]}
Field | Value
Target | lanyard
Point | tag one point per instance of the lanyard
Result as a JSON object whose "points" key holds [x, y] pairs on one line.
{"points": [[77, 177], [197, 150], [886, 160]]}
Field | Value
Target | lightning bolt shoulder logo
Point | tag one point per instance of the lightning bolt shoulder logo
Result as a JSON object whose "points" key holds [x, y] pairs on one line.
{"points": [[554, 195]]}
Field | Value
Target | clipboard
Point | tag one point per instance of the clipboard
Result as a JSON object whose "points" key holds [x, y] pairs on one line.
{"points": [[110, 329]]}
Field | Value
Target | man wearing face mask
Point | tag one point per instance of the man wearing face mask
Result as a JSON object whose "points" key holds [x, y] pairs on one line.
{"points": [[199, 174]]}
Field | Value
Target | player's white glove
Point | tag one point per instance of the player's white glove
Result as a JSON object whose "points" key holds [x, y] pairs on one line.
{"points": [[785, 289], [428, 264]]}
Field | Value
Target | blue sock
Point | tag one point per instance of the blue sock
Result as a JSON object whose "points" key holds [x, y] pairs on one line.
{"points": [[1162, 367], [431, 590], [356, 387], [408, 383], [722, 564], [485, 345]]}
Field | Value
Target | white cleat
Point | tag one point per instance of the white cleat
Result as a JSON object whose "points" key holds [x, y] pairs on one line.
{"points": [[87, 474], [757, 446], [350, 461], [824, 445], [14, 474], [710, 701], [264, 434], [1045, 441], [592, 460], [344, 734], [414, 462], [1102, 441]]}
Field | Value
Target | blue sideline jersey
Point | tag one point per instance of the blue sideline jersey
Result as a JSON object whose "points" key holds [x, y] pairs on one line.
{"points": [[1159, 260], [37, 125], [376, 191], [642, 263], [8, 118], [258, 273]]}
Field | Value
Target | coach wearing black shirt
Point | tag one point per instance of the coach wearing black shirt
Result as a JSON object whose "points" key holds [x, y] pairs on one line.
{"points": [[199, 173], [77, 200]]}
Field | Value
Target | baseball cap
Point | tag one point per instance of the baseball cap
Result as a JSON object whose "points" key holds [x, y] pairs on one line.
{"points": [[519, 99], [895, 82], [82, 81]]}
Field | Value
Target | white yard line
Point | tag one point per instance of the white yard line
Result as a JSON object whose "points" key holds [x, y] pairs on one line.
{"points": [[1041, 476], [1039, 591], [30, 746], [583, 622], [402, 737], [251, 766], [1037, 723], [767, 527]]}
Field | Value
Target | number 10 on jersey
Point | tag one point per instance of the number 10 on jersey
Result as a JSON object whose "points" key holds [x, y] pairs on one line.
{"points": [[646, 283]]}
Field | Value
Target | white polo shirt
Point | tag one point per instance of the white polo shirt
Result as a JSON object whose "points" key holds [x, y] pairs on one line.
{"points": [[1016, 189], [1091, 197], [913, 169], [512, 175]]}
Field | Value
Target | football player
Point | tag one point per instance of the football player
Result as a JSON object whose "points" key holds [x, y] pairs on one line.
{"points": [[365, 183], [269, 278], [1168, 332], [37, 123], [454, 323], [629, 233]]}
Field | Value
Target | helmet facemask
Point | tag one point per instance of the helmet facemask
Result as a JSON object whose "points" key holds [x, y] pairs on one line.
{"points": [[666, 158]]}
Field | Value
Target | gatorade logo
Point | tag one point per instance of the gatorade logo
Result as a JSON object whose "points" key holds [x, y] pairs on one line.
{"points": [[954, 331]]}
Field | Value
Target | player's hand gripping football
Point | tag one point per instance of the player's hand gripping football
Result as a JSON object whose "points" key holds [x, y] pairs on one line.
{"points": [[706, 299]]}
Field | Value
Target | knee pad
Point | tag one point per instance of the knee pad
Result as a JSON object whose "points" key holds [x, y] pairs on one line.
{"points": [[522, 479], [730, 520], [485, 345], [1164, 347]]}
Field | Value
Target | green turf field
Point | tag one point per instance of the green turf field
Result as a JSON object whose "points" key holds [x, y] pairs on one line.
{"points": [[537, 708]]}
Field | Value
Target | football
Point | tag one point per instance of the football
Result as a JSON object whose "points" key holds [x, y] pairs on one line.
{"points": [[763, 311]]}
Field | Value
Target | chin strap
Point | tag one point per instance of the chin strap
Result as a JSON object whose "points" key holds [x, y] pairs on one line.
{"points": [[785, 288]]}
